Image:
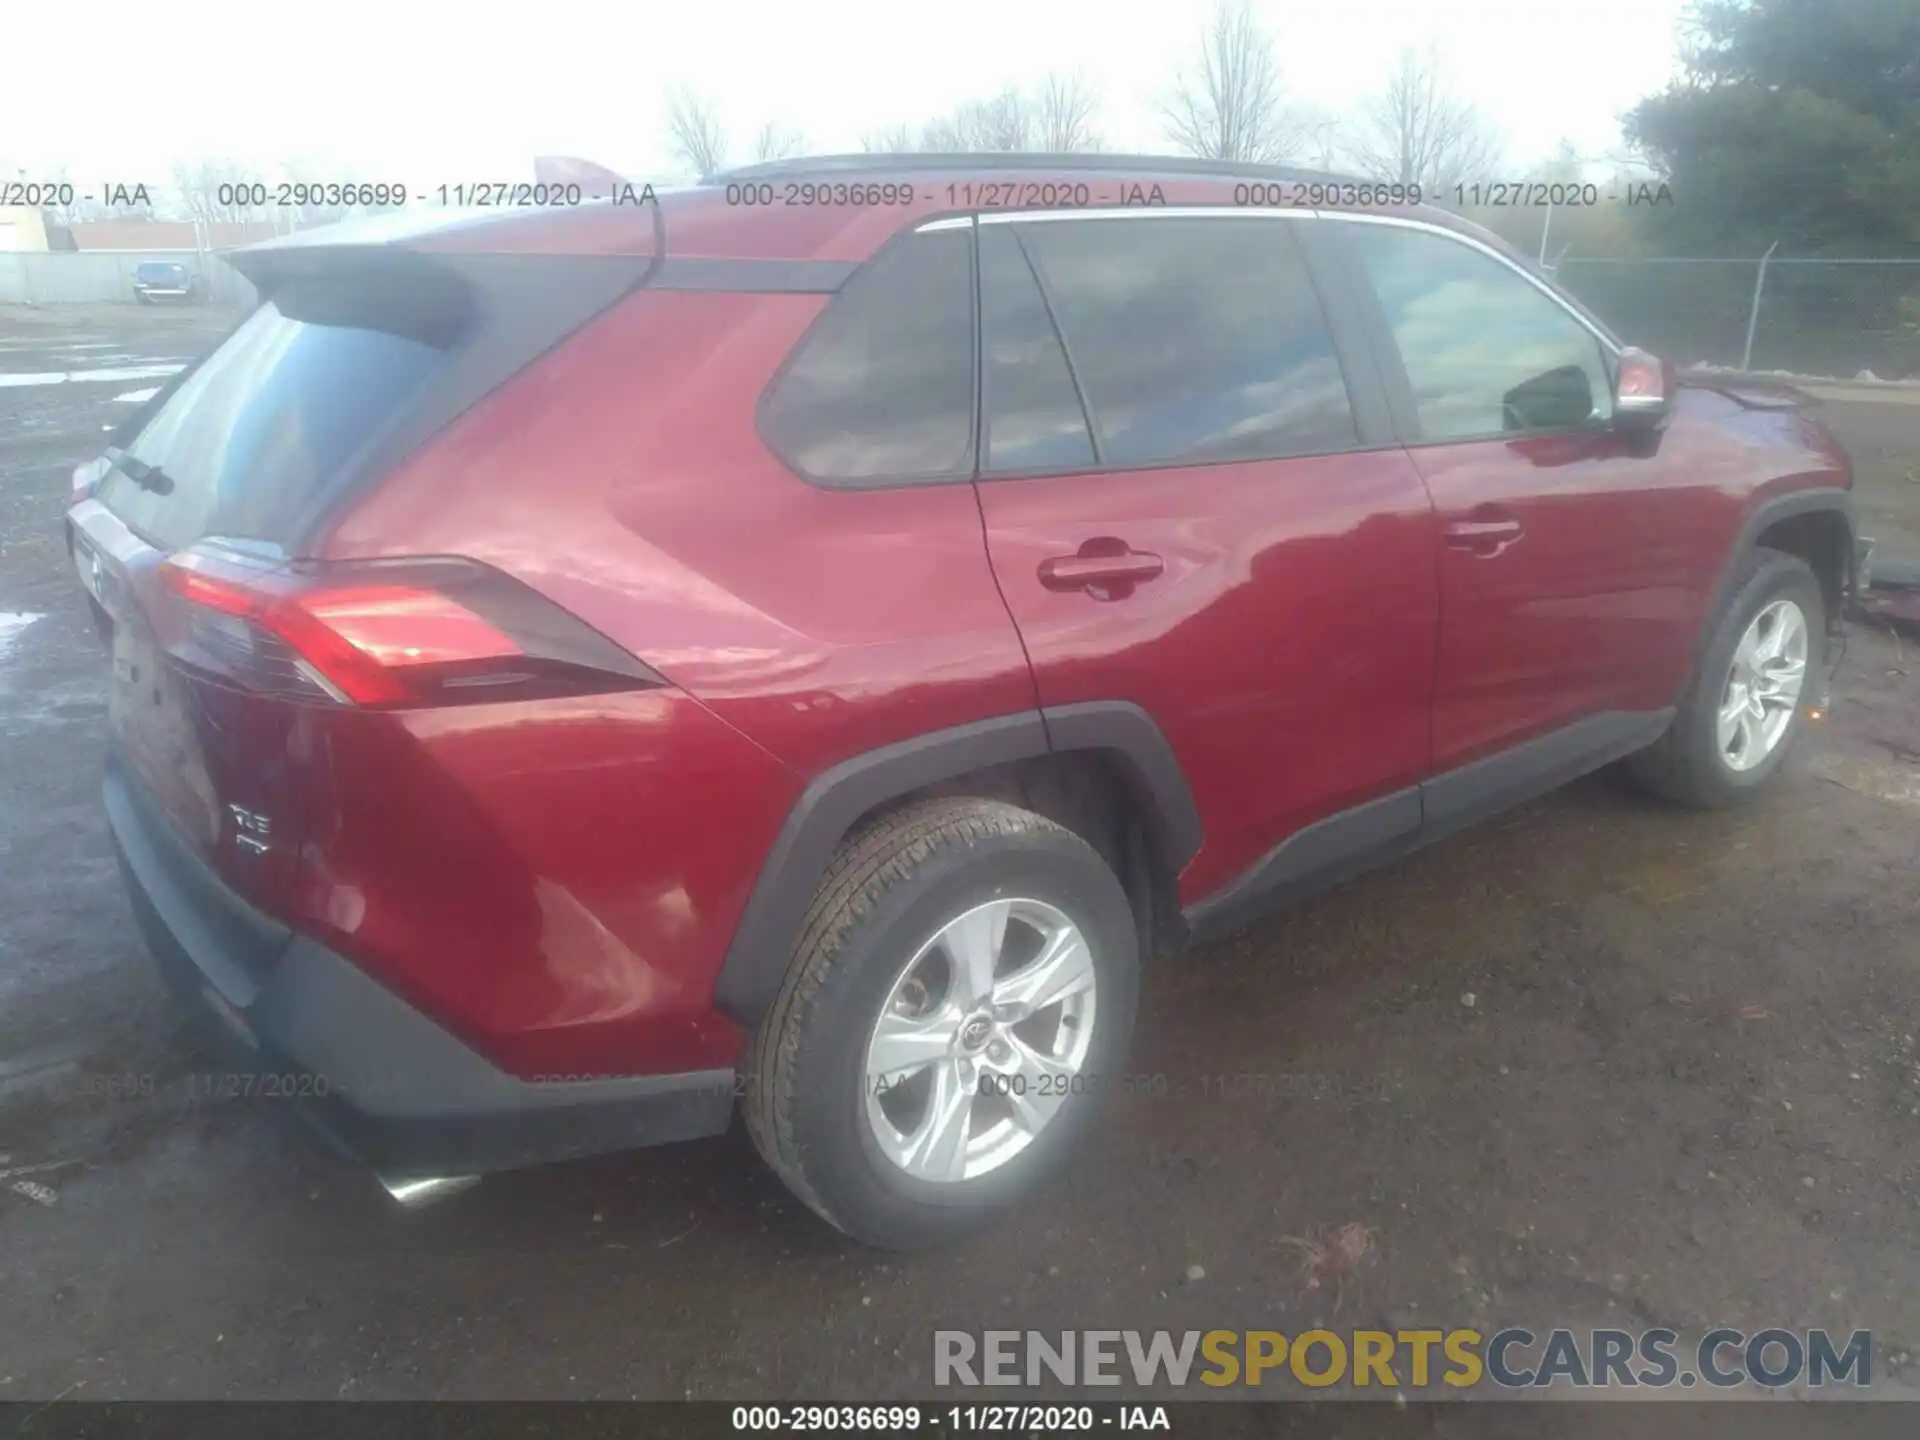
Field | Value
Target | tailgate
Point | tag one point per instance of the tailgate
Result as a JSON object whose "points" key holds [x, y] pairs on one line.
{"points": [[247, 447], [158, 725], [357, 354]]}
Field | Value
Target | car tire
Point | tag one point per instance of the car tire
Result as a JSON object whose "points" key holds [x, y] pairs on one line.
{"points": [[142, 298], [1695, 763], [902, 898]]}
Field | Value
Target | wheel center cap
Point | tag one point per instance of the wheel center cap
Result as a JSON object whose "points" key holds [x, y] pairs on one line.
{"points": [[975, 1033]]}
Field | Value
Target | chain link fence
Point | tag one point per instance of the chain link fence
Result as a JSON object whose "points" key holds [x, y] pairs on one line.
{"points": [[79, 277], [1811, 317]]}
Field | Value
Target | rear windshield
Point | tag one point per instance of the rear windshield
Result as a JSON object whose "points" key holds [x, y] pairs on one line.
{"points": [[282, 408], [160, 271]]}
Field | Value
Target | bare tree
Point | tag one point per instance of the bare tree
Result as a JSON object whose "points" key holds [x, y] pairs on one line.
{"points": [[949, 132], [64, 212], [956, 131], [1320, 137], [1232, 105], [126, 204], [1563, 166], [1057, 115], [694, 134], [776, 141], [316, 196], [53, 212], [1066, 106], [1002, 122], [213, 190], [890, 139], [1417, 131]]}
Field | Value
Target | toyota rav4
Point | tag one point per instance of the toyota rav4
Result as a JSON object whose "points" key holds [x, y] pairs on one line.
{"points": [[799, 643]]}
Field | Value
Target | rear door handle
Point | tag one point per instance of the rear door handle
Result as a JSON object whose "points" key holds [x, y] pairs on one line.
{"points": [[1107, 569], [1483, 537]]}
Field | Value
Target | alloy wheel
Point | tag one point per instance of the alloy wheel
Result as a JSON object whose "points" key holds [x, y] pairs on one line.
{"points": [[1764, 681], [981, 1039]]}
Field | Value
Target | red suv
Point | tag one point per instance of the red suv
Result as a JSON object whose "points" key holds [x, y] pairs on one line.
{"points": [[802, 641]]}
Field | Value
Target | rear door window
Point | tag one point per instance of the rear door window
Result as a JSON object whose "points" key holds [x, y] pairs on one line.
{"points": [[881, 387], [1194, 340], [1034, 416], [282, 408]]}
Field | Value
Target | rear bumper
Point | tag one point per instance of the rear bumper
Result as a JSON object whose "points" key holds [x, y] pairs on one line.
{"points": [[386, 1085]]}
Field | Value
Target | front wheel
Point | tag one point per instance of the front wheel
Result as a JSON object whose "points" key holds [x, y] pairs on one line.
{"points": [[1745, 706], [961, 992]]}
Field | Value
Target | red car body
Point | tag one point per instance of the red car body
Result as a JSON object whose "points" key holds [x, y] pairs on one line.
{"points": [[1290, 664]]}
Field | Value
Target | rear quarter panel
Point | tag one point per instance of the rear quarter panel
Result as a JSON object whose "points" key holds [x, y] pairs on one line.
{"points": [[622, 476], [555, 881], [588, 870]]}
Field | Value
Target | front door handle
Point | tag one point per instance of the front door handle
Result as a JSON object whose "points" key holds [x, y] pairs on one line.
{"points": [[1484, 538], [1105, 568]]}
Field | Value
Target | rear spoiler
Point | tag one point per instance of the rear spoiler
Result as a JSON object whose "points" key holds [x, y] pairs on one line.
{"points": [[473, 229], [570, 170]]}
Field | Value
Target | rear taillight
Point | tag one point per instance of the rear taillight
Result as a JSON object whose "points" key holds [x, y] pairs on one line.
{"points": [[87, 478], [384, 634]]}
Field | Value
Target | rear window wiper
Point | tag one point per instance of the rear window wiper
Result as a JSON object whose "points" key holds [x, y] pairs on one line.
{"points": [[147, 477]]}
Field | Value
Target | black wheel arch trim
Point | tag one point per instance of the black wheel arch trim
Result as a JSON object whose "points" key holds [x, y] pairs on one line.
{"points": [[1813, 500], [834, 801], [1147, 767]]}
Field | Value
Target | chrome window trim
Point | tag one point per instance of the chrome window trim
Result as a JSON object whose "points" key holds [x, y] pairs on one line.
{"points": [[1219, 212]]}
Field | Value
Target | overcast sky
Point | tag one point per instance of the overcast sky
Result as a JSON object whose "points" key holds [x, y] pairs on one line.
{"points": [[425, 94]]}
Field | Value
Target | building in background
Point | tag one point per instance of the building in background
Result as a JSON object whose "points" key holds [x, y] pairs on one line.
{"points": [[91, 262], [22, 228], [142, 235]]}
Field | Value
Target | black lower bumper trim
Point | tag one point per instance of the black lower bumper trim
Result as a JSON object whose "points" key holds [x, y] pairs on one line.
{"points": [[383, 1082]]}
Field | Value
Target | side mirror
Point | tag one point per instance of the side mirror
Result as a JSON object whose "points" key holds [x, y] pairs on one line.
{"points": [[1643, 393]]}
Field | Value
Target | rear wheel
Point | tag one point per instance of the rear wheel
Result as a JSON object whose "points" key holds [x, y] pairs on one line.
{"points": [[1744, 709], [962, 991]]}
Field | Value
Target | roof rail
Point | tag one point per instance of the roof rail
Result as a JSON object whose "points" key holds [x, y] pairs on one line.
{"points": [[1164, 166]]}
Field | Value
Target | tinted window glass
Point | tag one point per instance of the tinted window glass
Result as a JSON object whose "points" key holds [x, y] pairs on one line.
{"points": [[1195, 340], [882, 386], [279, 409], [1033, 416], [1485, 351]]}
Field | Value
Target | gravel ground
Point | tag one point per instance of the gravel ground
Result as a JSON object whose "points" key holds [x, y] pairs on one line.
{"points": [[1598, 1062]]}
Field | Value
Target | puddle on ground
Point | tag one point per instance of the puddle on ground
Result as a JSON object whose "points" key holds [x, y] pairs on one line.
{"points": [[12, 622], [69, 345], [63, 377], [1878, 780], [42, 342]]}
